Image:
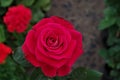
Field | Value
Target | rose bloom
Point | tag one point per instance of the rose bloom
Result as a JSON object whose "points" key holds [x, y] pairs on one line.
{"points": [[4, 52], [53, 45], [17, 18]]}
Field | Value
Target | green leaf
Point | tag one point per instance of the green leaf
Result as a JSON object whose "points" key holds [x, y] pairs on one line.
{"points": [[118, 66], [2, 34], [26, 2], [112, 35], [47, 7], [110, 63], [115, 48], [11, 71], [38, 75], [114, 73], [2, 11], [19, 38], [44, 2], [106, 23], [118, 21], [37, 15], [85, 74], [110, 11], [6, 3], [41, 3], [103, 53], [82, 74], [19, 58]]}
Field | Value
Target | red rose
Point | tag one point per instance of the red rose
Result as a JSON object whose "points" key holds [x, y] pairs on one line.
{"points": [[17, 18], [4, 52], [53, 45]]}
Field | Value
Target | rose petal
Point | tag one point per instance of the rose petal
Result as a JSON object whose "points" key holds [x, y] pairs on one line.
{"points": [[4, 52], [42, 22], [65, 35], [62, 22], [31, 41], [21, 28], [10, 28], [78, 50], [2, 58], [30, 57], [66, 54], [64, 70], [48, 60], [48, 70]]}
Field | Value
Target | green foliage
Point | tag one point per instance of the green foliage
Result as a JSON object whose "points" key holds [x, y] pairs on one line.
{"points": [[47, 7], [19, 38], [110, 12], [5, 3], [10, 71], [44, 2], [19, 57], [25, 2], [38, 15], [2, 11], [104, 53], [17, 68], [85, 74], [41, 3], [107, 22], [111, 15], [82, 74], [111, 22], [38, 75], [2, 34]]}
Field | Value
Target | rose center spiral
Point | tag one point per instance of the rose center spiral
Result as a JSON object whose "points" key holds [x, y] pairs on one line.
{"points": [[52, 41]]}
